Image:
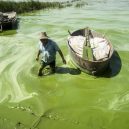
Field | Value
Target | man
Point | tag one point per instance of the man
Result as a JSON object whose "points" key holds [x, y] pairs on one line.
{"points": [[48, 49]]}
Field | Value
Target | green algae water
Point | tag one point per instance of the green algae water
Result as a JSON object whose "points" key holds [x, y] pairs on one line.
{"points": [[70, 99]]}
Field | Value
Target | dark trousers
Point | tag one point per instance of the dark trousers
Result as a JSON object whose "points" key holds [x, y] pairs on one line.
{"points": [[44, 64]]}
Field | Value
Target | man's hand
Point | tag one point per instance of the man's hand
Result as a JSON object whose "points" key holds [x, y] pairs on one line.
{"points": [[37, 58], [64, 61], [62, 56]]}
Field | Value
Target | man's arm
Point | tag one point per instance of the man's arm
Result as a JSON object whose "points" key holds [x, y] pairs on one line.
{"points": [[37, 58], [62, 56]]}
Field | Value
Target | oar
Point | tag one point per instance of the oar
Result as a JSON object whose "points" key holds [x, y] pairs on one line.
{"points": [[85, 49]]}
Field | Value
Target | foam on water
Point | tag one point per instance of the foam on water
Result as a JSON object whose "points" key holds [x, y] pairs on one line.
{"points": [[11, 66]]}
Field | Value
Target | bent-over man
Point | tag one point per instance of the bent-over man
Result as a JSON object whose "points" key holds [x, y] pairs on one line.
{"points": [[48, 49]]}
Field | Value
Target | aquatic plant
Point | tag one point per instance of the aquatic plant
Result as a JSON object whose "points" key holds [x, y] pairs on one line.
{"points": [[81, 4], [75, 0], [27, 6]]}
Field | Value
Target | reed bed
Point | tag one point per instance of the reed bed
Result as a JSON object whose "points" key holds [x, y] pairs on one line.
{"points": [[80, 4], [27, 6]]}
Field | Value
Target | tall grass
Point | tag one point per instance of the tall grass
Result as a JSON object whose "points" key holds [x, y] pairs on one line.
{"points": [[80, 4], [27, 6]]}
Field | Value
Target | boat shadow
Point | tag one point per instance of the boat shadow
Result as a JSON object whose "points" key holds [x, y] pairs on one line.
{"points": [[114, 66], [65, 70]]}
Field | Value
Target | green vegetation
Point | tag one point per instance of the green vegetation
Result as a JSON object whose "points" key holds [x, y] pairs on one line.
{"points": [[30, 5], [81, 4], [27, 6]]}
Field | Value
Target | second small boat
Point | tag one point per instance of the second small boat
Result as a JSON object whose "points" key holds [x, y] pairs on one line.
{"points": [[8, 21]]}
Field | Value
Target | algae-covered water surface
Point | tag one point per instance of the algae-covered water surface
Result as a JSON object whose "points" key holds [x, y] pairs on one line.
{"points": [[69, 99]]}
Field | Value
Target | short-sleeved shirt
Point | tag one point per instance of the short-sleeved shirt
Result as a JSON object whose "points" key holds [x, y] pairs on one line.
{"points": [[48, 51]]}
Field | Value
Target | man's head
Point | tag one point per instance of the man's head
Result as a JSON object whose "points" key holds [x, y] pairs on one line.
{"points": [[43, 37]]}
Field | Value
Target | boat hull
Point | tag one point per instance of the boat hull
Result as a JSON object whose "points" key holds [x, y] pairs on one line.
{"points": [[9, 25]]}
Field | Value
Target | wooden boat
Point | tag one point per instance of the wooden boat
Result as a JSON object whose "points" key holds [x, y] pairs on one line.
{"points": [[94, 67], [8, 21]]}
